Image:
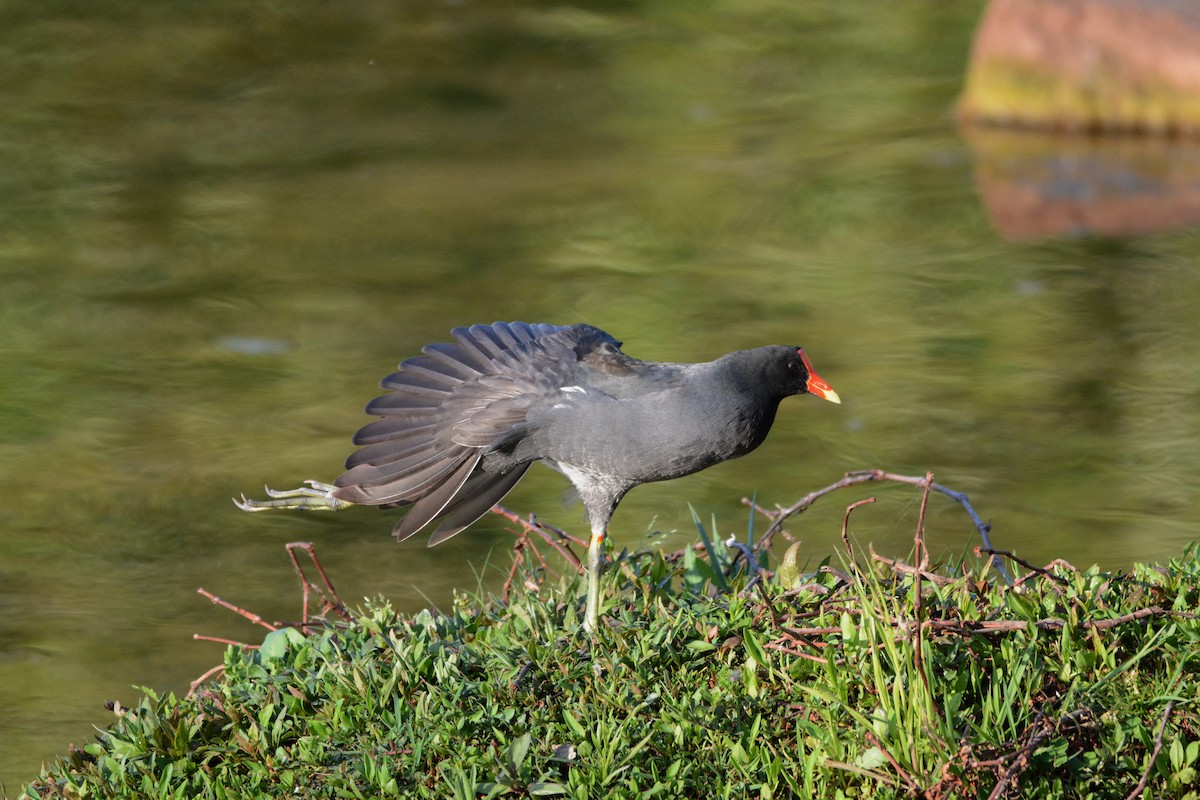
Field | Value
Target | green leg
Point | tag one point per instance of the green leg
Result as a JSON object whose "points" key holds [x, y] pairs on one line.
{"points": [[595, 566]]}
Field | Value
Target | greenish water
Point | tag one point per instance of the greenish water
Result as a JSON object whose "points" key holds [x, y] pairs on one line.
{"points": [[221, 224]]}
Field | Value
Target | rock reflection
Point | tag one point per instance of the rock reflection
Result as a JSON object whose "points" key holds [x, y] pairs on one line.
{"points": [[1036, 185]]}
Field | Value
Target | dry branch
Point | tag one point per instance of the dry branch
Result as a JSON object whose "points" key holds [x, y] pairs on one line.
{"points": [[781, 514]]}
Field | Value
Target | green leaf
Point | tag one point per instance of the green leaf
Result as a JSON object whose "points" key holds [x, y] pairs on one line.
{"points": [[276, 643], [753, 649], [574, 725], [788, 573], [716, 552], [546, 789], [518, 749], [871, 758]]}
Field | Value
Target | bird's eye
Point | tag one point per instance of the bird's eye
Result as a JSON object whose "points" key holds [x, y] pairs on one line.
{"points": [[793, 366]]}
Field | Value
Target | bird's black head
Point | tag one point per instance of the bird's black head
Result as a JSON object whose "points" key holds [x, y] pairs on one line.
{"points": [[791, 372]]}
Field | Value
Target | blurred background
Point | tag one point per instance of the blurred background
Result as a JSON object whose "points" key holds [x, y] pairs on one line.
{"points": [[221, 224]]}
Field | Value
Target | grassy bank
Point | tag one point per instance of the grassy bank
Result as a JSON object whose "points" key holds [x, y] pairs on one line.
{"points": [[711, 678]]}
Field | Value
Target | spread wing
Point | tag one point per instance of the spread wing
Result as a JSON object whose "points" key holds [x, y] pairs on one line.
{"points": [[446, 409]]}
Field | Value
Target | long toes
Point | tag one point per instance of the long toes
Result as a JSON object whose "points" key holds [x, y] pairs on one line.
{"points": [[245, 504], [313, 489]]}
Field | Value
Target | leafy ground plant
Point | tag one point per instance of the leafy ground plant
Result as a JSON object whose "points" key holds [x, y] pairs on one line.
{"points": [[713, 676]]}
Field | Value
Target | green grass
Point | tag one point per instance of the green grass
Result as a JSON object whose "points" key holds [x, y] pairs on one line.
{"points": [[707, 681]]}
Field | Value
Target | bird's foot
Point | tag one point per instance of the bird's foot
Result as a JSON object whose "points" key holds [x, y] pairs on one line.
{"points": [[315, 496]]}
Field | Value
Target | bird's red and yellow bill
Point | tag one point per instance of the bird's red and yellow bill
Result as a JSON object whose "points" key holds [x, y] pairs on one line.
{"points": [[816, 384]]}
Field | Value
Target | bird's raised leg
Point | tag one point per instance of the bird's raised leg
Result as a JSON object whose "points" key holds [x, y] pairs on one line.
{"points": [[316, 496], [595, 566]]}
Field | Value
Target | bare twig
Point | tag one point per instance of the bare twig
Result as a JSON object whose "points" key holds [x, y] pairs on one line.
{"points": [[196, 684], [969, 627], [897, 566], [241, 612], [1038, 731], [921, 556], [518, 557], [846, 530], [743, 551], [551, 535], [768, 603], [330, 601], [329, 596], [200, 637], [1054, 624], [1158, 745], [800, 633], [1033, 570], [914, 788], [793, 652], [779, 516]]}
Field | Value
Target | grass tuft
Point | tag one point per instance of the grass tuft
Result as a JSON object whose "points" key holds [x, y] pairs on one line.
{"points": [[710, 678]]}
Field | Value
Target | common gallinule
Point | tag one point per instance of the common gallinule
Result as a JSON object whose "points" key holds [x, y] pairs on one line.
{"points": [[460, 424]]}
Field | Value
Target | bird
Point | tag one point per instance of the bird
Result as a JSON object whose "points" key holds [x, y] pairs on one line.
{"points": [[461, 423]]}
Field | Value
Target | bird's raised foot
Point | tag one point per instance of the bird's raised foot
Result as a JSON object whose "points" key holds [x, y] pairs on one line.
{"points": [[310, 489], [315, 496]]}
